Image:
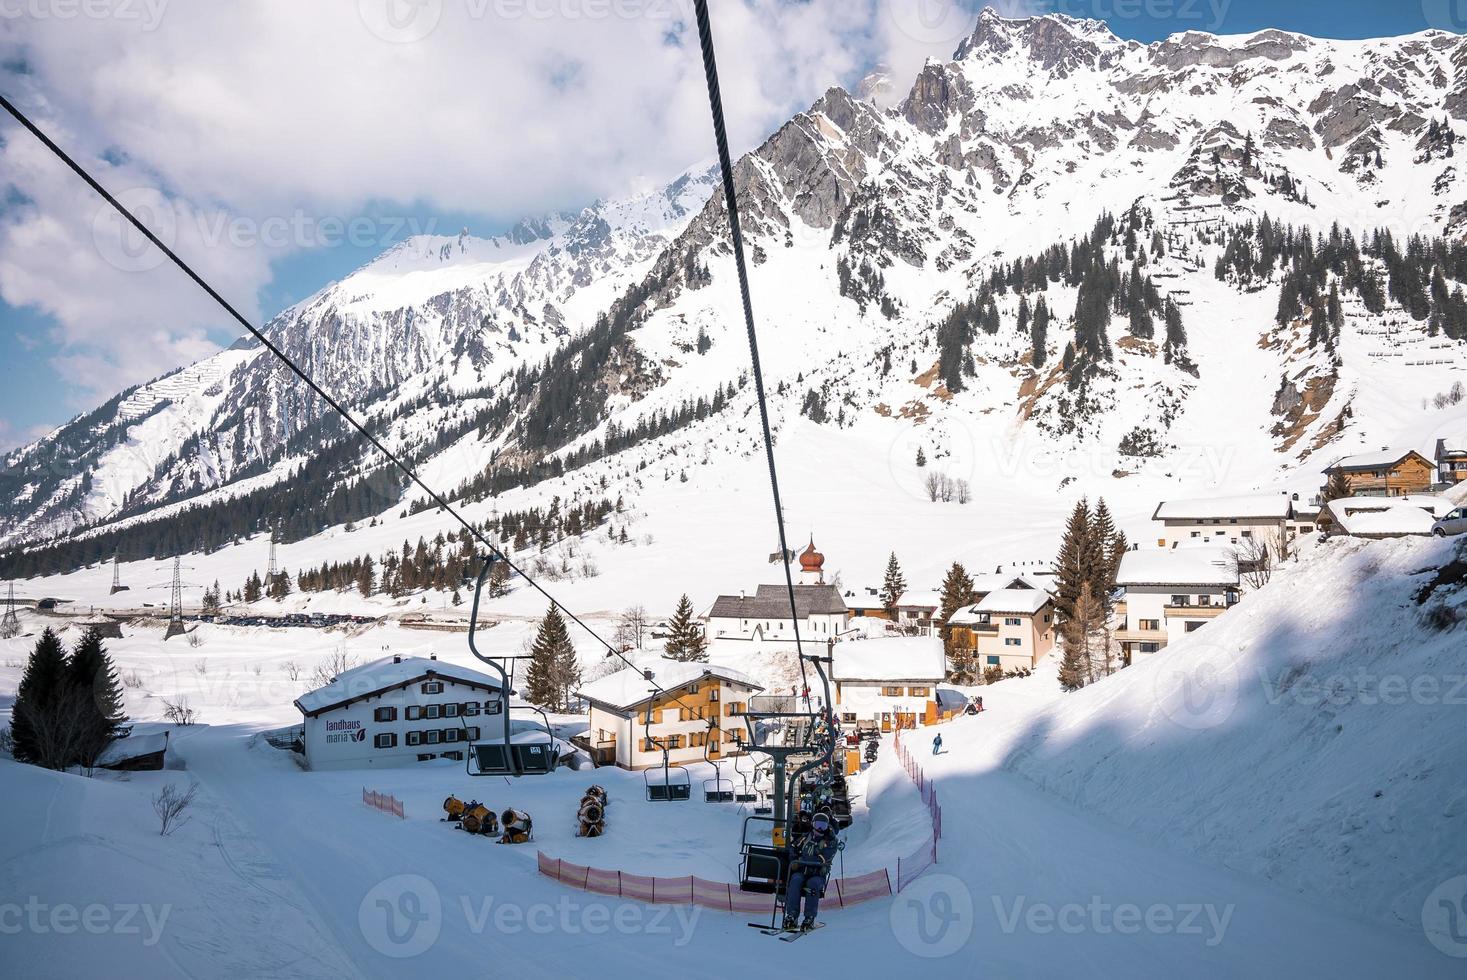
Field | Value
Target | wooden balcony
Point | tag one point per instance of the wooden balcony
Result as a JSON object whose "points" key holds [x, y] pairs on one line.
{"points": [[1194, 612], [1141, 636]]}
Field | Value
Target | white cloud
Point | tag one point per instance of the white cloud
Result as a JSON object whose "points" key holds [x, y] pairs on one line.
{"points": [[278, 110]]}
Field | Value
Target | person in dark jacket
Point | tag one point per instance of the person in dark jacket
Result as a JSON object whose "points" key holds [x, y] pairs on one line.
{"points": [[810, 859], [937, 744]]}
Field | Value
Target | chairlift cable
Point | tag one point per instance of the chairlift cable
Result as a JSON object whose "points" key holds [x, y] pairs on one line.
{"points": [[441, 502], [720, 134]]}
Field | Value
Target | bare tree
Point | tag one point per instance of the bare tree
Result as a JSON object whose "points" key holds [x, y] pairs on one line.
{"points": [[292, 670], [179, 712], [964, 492], [933, 485], [170, 806], [631, 627], [1253, 561], [333, 666]]}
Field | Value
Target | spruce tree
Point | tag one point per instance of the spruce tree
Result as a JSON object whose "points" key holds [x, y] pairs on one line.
{"points": [[685, 637], [94, 678], [957, 592], [545, 681], [893, 587], [1073, 564], [1039, 332], [42, 686]]}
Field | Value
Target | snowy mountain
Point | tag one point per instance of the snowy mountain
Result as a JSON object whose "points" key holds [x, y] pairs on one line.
{"points": [[1197, 217]]}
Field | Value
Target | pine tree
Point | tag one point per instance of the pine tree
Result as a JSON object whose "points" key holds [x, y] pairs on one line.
{"points": [[957, 592], [685, 639], [893, 587], [367, 577], [546, 680], [1077, 635], [253, 588], [921, 457], [1072, 567], [91, 673], [42, 687], [1039, 332]]}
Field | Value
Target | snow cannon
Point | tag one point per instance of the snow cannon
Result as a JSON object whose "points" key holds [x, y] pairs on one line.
{"points": [[592, 819], [454, 807], [599, 792], [479, 819], [518, 827]]}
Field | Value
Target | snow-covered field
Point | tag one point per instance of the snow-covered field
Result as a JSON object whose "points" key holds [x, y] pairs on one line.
{"points": [[1262, 800]]}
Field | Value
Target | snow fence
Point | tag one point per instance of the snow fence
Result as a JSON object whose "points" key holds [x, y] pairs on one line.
{"points": [[692, 890], [925, 856], [383, 802]]}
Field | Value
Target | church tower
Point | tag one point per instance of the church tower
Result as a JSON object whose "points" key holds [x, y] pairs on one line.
{"points": [[812, 566]]}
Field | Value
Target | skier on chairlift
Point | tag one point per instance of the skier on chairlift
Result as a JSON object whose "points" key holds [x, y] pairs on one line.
{"points": [[810, 860]]}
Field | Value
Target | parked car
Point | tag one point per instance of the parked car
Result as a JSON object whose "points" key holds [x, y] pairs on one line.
{"points": [[1453, 523]]}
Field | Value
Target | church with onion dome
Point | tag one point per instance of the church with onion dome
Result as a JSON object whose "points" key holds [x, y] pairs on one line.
{"points": [[761, 621]]}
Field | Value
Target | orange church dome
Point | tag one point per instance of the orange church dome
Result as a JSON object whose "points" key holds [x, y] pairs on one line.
{"points": [[811, 560]]}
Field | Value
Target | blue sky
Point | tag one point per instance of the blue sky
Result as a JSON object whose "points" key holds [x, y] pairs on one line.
{"points": [[55, 366]]}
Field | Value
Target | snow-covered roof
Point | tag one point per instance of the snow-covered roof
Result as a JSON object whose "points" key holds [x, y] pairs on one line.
{"points": [[1373, 461], [921, 598], [994, 581], [1390, 523], [1431, 503], [630, 687], [384, 675], [1254, 506], [132, 747], [894, 658], [1452, 445], [1178, 566], [1025, 601], [773, 602]]}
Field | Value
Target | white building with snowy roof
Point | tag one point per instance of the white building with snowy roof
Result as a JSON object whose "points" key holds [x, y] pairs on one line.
{"points": [[691, 709], [1172, 592], [887, 683], [1231, 520], [397, 711], [758, 623]]}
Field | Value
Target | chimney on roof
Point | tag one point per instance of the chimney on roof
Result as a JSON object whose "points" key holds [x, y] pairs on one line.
{"points": [[396, 659], [647, 673], [432, 656]]}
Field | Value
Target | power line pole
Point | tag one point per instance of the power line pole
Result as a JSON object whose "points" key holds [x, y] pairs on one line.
{"points": [[117, 585], [175, 603], [271, 577], [10, 625]]}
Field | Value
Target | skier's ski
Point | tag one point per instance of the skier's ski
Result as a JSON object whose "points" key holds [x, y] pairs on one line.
{"points": [[791, 937]]}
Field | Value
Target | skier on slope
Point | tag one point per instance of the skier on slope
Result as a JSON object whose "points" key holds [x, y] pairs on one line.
{"points": [[810, 859], [937, 744]]}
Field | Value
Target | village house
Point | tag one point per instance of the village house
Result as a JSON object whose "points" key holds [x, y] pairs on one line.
{"points": [[1385, 517], [694, 710], [865, 603], [395, 712], [1451, 460], [916, 607], [887, 683], [1170, 593], [1011, 628], [1265, 518], [1388, 473]]}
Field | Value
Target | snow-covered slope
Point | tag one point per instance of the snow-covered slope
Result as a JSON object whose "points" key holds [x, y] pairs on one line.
{"points": [[1310, 737]]}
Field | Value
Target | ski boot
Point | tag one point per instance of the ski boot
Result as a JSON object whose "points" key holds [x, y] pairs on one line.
{"points": [[791, 923]]}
